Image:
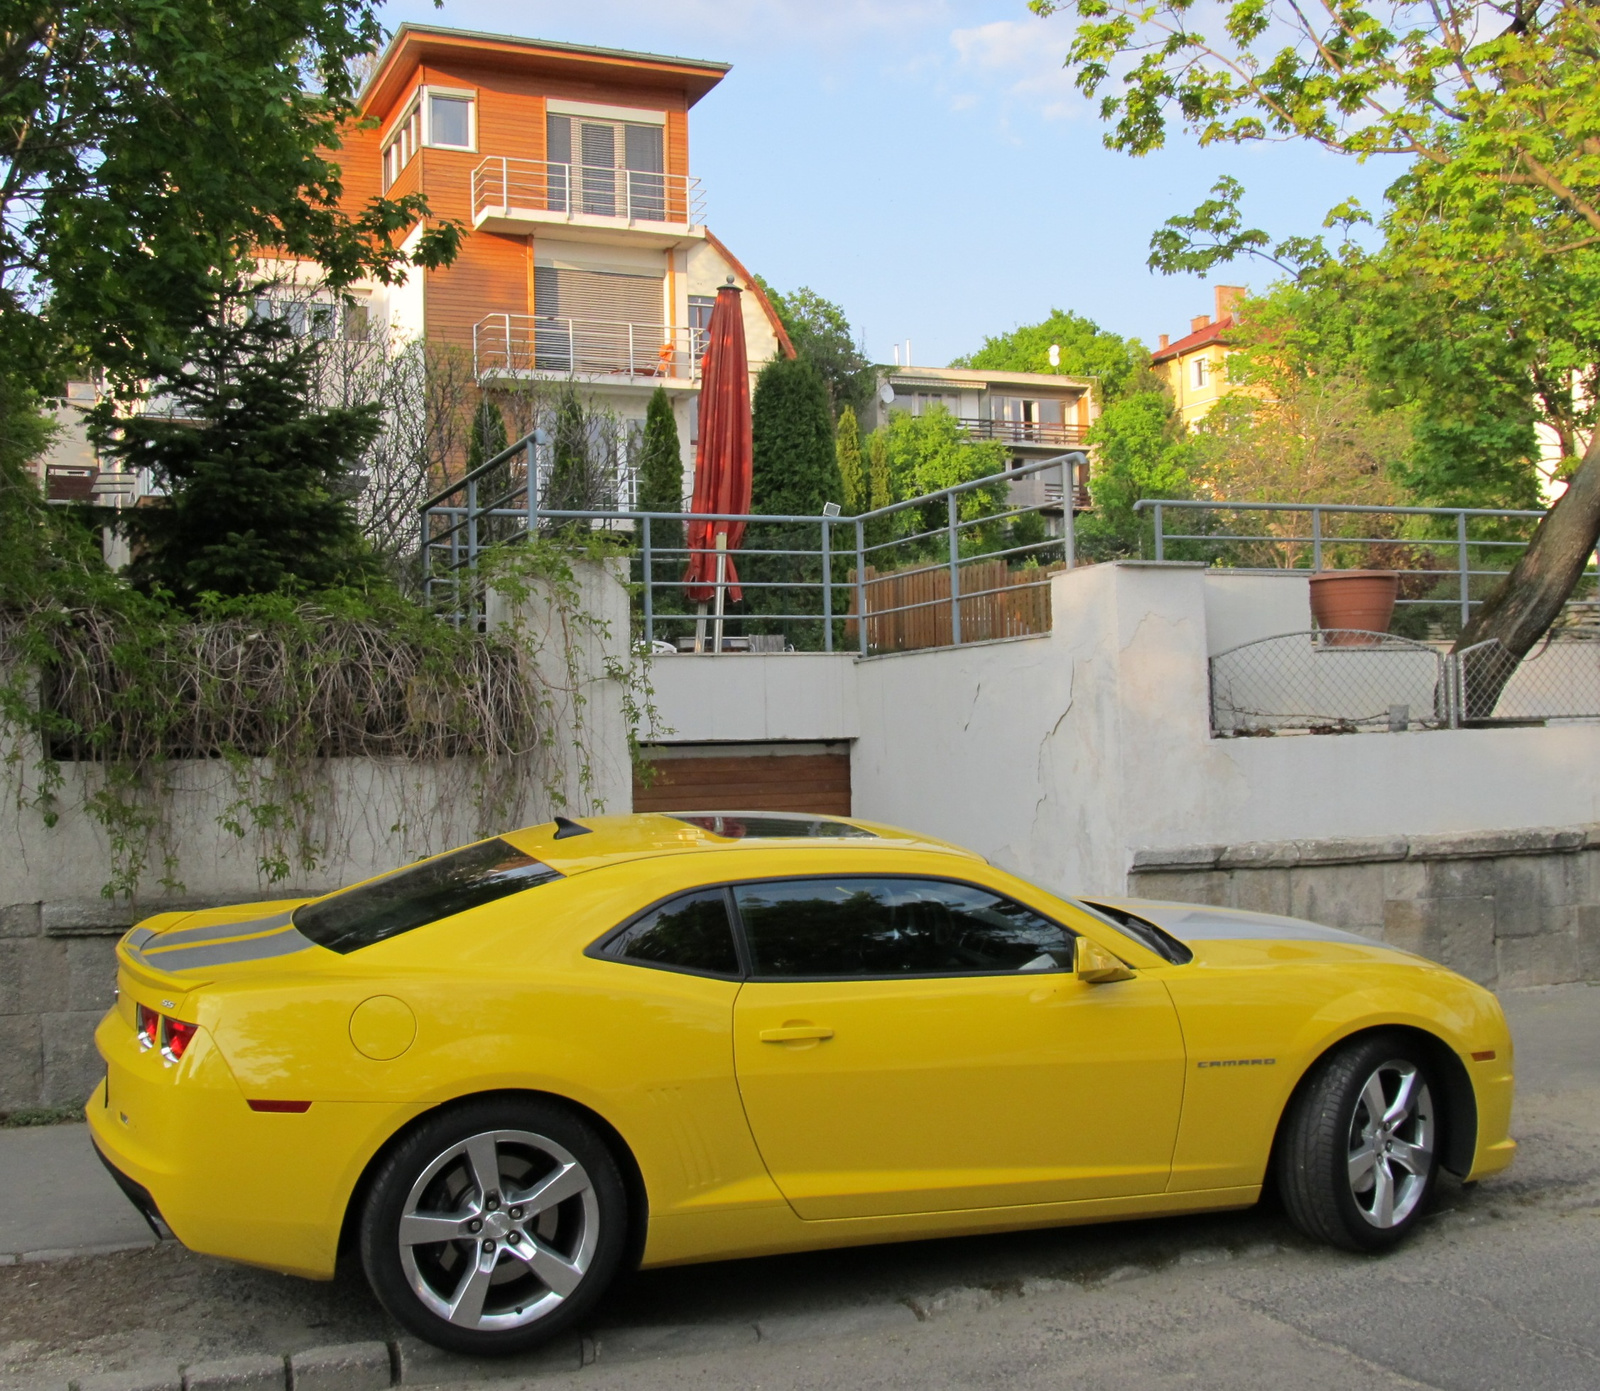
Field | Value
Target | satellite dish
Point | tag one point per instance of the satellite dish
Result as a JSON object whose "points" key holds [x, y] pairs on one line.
{"points": [[886, 394], [1055, 354]]}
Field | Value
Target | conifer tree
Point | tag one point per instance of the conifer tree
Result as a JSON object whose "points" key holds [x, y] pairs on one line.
{"points": [[794, 469], [257, 499], [488, 436], [852, 474], [880, 485], [661, 467], [661, 490]]}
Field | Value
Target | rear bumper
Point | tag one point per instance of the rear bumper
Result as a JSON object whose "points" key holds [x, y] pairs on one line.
{"points": [[264, 1188], [139, 1196]]}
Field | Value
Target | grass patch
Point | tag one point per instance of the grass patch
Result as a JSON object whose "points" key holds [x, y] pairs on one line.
{"points": [[25, 1116]]}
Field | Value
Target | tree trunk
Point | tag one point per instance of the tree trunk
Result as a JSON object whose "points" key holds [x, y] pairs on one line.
{"points": [[1530, 598]]}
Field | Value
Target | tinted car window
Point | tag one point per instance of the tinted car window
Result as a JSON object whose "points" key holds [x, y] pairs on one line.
{"points": [[850, 926], [774, 825], [411, 898], [688, 933]]}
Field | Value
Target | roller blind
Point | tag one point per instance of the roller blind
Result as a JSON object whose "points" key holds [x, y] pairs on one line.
{"points": [[592, 294]]}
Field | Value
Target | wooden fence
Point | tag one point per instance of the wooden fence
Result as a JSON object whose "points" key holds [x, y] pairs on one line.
{"points": [[996, 602]]}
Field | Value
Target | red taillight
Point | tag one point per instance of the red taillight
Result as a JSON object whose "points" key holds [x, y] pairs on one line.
{"points": [[148, 1024], [175, 1036]]}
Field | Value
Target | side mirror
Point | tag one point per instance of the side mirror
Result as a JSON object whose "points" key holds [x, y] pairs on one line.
{"points": [[1093, 963]]}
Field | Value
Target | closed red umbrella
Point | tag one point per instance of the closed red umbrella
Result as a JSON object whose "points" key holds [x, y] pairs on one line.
{"points": [[722, 458]]}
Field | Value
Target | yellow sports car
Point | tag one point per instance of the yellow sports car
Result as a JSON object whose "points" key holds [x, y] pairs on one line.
{"points": [[508, 1071]]}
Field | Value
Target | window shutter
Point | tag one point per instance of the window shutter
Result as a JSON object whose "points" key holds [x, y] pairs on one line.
{"points": [[593, 294]]}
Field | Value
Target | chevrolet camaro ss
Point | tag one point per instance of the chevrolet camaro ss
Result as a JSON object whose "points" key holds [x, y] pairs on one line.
{"points": [[507, 1072]]}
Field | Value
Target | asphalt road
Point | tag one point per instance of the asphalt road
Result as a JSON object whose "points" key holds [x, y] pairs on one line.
{"points": [[1499, 1289]]}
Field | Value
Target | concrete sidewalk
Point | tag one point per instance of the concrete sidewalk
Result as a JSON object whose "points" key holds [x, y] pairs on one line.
{"points": [[57, 1199]]}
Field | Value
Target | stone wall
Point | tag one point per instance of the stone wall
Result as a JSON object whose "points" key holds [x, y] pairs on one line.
{"points": [[1505, 908], [58, 933]]}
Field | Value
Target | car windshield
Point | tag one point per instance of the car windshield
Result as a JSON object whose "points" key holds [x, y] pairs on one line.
{"points": [[421, 894], [772, 825]]}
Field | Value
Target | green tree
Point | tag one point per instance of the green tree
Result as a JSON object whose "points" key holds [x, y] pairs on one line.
{"points": [[255, 475], [822, 336], [1496, 108], [1087, 350], [793, 466], [661, 490], [1143, 451], [488, 436], [794, 471], [880, 481], [853, 483], [151, 150]]}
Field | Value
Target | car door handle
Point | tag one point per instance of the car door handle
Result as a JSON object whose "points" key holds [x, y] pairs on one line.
{"points": [[792, 1033]]}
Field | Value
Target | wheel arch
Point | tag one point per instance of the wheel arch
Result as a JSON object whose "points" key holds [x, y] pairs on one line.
{"points": [[1459, 1142], [627, 1165]]}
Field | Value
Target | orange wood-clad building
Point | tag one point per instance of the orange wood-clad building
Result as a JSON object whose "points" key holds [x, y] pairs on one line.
{"points": [[586, 255]]}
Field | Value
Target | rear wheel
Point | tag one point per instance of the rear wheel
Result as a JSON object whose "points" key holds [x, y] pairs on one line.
{"points": [[494, 1226], [1359, 1150]]}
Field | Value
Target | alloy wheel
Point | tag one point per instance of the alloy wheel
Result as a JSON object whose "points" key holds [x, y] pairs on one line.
{"points": [[1391, 1143], [499, 1230]]}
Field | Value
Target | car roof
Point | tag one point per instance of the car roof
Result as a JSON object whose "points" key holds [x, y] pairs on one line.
{"points": [[573, 845]]}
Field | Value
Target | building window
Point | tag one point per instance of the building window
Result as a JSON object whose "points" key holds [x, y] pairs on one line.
{"points": [[700, 307], [1200, 371], [442, 118], [606, 168], [450, 121]]}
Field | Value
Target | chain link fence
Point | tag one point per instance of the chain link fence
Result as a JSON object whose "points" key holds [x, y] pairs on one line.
{"points": [[1344, 681]]}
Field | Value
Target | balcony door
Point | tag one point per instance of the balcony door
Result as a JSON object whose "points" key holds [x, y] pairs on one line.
{"points": [[619, 170]]}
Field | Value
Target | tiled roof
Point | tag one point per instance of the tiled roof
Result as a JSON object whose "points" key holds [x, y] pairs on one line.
{"points": [[1198, 339]]}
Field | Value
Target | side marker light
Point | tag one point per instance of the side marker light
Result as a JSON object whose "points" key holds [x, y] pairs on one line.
{"points": [[1487, 1056], [291, 1107]]}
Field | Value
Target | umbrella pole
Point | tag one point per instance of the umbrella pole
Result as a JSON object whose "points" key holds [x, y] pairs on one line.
{"points": [[722, 581]]}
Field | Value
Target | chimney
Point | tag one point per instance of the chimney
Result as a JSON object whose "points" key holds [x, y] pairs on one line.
{"points": [[1164, 340], [1197, 323], [1226, 297]]}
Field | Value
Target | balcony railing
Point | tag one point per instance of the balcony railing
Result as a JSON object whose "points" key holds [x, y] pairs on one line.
{"points": [[537, 344], [1022, 431], [505, 187]]}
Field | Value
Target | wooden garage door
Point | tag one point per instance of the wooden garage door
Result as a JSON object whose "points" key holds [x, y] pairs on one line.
{"points": [[746, 777]]}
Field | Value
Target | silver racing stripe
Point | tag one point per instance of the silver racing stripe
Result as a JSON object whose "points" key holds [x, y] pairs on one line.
{"points": [[219, 932], [283, 943]]}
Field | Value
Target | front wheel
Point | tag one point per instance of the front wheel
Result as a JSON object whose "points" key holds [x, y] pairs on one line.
{"points": [[1359, 1150], [494, 1226]]}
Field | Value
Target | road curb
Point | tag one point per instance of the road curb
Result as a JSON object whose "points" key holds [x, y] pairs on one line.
{"points": [[377, 1366]]}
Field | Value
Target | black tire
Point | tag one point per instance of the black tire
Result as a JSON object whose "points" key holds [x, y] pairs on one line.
{"points": [[526, 1271], [1335, 1158]]}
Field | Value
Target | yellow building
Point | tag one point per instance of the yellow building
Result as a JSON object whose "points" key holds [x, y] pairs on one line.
{"points": [[1195, 367]]}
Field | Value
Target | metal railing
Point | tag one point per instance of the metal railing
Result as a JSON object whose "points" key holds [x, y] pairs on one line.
{"points": [[1451, 571], [1341, 681], [545, 345], [959, 565], [505, 187], [1022, 431]]}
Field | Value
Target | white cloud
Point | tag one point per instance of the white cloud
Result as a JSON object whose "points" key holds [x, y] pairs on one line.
{"points": [[1021, 61]]}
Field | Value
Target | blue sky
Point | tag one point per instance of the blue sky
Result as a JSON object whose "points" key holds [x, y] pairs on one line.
{"points": [[928, 165]]}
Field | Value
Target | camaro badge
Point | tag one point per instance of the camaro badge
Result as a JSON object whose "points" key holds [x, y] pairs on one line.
{"points": [[1238, 1062]]}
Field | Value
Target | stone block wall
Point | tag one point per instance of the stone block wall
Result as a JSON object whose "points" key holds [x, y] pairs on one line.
{"points": [[54, 986], [1507, 908]]}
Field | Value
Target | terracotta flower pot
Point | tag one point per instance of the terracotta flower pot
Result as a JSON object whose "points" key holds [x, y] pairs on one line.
{"points": [[1360, 599]]}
